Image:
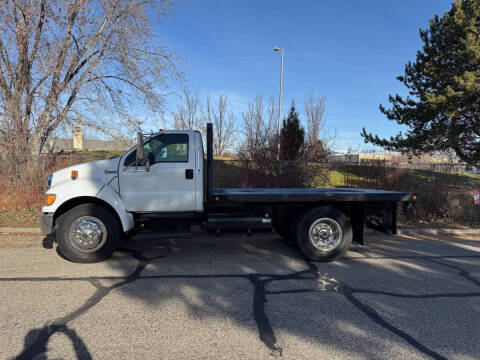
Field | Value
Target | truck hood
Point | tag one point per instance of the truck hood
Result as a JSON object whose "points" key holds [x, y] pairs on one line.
{"points": [[102, 171]]}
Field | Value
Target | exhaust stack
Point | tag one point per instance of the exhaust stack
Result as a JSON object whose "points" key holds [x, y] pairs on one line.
{"points": [[210, 162]]}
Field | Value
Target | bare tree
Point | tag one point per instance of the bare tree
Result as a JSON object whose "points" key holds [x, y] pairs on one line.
{"points": [[258, 152], [61, 58], [319, 143], [272, 113], [314, 112], [223, 124], [189, 112], [193, 114], [258, 125]]}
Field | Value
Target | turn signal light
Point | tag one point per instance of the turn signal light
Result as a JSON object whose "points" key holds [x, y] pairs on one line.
{"points": [[49, 199], [74, 174]]}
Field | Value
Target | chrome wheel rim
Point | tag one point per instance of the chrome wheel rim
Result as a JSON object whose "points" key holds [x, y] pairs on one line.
{"points": [[87, 234], [325, 234]]}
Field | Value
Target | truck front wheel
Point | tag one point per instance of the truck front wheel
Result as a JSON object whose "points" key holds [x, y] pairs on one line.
{"points": [[88, 233], [324, 234]]}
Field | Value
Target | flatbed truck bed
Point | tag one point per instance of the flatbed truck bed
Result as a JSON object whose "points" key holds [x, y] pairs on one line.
{"points": [[307, 195]]}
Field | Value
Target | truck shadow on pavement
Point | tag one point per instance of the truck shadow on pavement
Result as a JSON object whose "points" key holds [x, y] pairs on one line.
{"points": [[379, 289]]}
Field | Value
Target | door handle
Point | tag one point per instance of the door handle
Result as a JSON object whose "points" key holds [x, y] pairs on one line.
{"points": [[189, 174]]}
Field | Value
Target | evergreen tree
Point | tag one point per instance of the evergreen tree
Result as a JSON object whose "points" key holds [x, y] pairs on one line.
{"points": [[442, 111], [292, 136]]}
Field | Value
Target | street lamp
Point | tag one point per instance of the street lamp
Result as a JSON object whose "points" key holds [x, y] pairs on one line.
{"points": [[278, 48]]}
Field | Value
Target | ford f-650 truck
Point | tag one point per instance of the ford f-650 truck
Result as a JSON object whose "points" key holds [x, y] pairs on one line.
{"points": [[91, 206]]}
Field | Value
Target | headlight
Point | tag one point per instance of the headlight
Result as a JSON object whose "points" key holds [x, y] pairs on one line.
{"points": [[49, 181]]}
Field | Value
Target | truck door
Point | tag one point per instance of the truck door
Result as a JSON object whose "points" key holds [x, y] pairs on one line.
{"points": [[169, 186]]}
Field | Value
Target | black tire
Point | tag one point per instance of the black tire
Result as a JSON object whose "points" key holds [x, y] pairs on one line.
{"points": [[111, 233], [283, 227], [335, 220]]}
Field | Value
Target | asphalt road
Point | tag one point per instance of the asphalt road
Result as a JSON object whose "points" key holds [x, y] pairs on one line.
{"points": [[242, 298]]}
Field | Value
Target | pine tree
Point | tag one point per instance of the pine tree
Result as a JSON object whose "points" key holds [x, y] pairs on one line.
{"points": [[442, 111], [292, 136]]}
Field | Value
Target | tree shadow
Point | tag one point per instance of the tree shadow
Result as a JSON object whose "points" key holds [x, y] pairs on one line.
{"points": [[36, 342], [403, 290]]}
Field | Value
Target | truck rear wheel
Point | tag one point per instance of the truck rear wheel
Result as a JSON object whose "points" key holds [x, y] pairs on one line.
{"points": [[88, 233], [324, 234]]}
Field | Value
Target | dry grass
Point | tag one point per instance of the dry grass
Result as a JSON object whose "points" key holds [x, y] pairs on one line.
{"points": [[23, 187], [20, 218]]}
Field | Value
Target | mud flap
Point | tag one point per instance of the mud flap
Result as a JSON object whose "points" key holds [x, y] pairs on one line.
{"points": [[382, 218], [358, 223]]}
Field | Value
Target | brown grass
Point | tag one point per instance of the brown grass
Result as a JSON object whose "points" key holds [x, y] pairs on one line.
{"points": [[23, 187], [20, 218]]}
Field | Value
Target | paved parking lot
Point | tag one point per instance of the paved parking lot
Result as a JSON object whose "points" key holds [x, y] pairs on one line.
{"points": [[238, 297]]}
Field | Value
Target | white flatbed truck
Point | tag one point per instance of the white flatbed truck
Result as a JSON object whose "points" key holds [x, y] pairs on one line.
{"points": [[164, 181]]}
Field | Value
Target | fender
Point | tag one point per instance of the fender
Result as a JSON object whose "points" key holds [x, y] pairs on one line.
{"points": [[112, 198], [89, 188]]}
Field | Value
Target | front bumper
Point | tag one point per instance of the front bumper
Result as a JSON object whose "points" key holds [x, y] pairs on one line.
{"points": [[46, 223]]}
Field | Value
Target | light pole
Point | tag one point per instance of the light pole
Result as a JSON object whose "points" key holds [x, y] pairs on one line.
{"points": [[278, 48]]}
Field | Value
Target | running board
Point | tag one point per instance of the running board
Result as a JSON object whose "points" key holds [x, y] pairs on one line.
{"points": [[239, 223]]}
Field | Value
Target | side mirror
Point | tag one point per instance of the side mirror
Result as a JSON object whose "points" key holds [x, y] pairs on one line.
{"points": [[140, 154]]}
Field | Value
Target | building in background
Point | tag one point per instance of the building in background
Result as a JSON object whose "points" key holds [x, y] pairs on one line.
{"points": [[357, 158], [79, 143], [77, 137]]}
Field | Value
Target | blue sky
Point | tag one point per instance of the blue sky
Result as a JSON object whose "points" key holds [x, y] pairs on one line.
{"points": [[351, 51]]}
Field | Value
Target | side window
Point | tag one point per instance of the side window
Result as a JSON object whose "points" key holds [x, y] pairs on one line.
{"points": [[163, 148]]}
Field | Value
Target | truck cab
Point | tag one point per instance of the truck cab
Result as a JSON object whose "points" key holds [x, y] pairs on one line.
{"points": [[168, 177], [173, 181]]}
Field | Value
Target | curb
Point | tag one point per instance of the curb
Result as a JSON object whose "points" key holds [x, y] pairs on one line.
{"points": [[439, 231], [10, 230], [408, 231]]}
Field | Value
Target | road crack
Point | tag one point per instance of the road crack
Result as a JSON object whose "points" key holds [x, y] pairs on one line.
{"points": [[38, 344], [38, 338]]}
